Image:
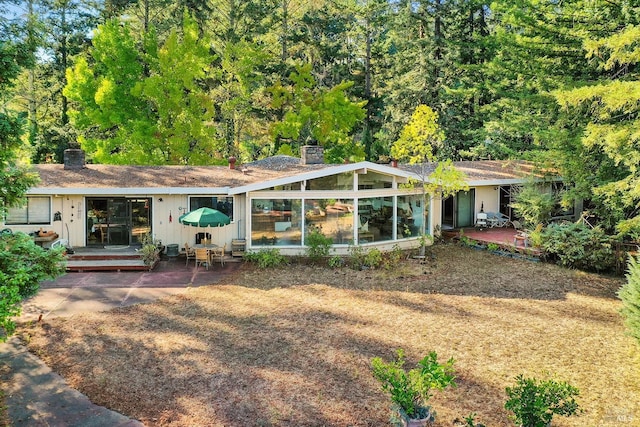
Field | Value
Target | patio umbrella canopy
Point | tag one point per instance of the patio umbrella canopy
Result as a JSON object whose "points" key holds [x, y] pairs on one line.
{"points": [[204, 217]]}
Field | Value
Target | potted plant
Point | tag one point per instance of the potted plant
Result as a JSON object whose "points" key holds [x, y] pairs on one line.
{"points": [[535, 402], [150, 251], [411, 390]]}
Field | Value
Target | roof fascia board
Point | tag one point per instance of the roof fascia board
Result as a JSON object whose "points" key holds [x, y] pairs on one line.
{"points": [[329, 170], [513, 181], [90, 191]]}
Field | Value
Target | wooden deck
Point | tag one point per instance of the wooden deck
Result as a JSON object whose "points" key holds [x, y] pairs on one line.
{"points": [[501, 236], [122, 259], [92, 259]]}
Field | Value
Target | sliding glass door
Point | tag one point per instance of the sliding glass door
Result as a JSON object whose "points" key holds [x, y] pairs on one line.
{"points": [[117, 220]]}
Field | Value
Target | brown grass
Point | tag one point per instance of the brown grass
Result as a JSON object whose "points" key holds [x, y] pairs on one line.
{"points": [[292, 346]]}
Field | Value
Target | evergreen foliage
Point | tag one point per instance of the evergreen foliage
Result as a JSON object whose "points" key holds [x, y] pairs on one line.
{"points": [[630, 296]]}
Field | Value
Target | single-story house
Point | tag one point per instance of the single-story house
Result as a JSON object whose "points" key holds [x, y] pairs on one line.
{"points": [[274, 202]]}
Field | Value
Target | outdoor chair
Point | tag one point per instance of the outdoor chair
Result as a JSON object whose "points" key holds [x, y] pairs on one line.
{"points": [[497, 219], [202, 257], [189, 252], [218, 253], [481, 220]]}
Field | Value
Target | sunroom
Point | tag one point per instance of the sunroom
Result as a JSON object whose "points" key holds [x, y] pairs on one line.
{"points": [[358, 204]]}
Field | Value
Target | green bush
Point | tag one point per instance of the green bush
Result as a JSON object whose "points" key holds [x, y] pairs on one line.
{"points": [[373, 258], [357, 256], [266, 258], [392, 258], [533, 205], [535, 402], [411, 390], [23, 265], [318, 245], [578, 246], [336, 261], [629, 293]]}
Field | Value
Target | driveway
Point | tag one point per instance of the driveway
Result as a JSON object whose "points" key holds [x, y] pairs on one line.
{"points": [[33, 394]]}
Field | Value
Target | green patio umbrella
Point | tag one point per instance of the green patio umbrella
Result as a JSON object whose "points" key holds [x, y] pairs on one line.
{"points": [[204, 217]]}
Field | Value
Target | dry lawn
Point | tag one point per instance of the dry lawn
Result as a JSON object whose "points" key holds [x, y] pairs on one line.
{"points": [[291, 346]]}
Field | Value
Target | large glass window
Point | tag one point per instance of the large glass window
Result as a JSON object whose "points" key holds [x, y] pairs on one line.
{"points": [[36, 211], [332, 217], [276, 222], [222, 203], [374, 180], [343, 181], [375, 219], [410, 216]]}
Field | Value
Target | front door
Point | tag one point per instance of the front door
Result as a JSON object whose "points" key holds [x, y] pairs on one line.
{"points": [[117, 220]]}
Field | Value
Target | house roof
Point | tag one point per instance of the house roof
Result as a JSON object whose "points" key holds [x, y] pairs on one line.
{"points": [[122, 176], [488, 172], [265, 173]]}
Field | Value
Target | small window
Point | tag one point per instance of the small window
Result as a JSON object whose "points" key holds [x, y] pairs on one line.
{"points": [[37, 211], [222, 203]]}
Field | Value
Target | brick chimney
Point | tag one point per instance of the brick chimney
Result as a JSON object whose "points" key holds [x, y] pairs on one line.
{"points": [[232, 162], [311, 155], [74, 159]]}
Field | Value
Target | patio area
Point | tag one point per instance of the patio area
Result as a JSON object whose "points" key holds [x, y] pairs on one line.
{"points": [[502, 236]]}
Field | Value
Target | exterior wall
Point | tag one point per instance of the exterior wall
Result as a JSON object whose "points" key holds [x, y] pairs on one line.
{"points": [[487, 198]]}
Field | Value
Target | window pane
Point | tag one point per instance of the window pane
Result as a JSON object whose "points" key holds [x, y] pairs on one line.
{"points": [[343, 181], [332, 217], [221, 203], [16, 216], [375, 219], [373, 180], [37, 211], [276, 222], [409, 216]]}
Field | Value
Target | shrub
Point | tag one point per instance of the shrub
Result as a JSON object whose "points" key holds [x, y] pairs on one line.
{"points": [[535, 402], [318, 245], [578, 246], [373, 258], [411, 390], [336, 262], [23, 265], [392, 258], [534, 205], [357, 256], [266, 258], [629, 293]]}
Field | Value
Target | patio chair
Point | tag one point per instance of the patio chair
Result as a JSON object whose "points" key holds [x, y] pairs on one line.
{"points": [[498, 219], [202, 257], [218, 253], [481, 220], [189, 252]]}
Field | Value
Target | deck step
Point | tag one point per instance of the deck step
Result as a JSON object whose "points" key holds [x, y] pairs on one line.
{"points": [[106, 265]]}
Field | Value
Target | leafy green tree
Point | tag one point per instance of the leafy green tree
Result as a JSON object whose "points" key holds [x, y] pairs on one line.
{"points": [[183, 111], [612, 107], [22, 264], [144, 106], [416, 146], [314, 115], [630, 296]]}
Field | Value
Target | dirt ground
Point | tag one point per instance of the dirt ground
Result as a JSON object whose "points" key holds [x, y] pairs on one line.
{"points": [[292, 346]]}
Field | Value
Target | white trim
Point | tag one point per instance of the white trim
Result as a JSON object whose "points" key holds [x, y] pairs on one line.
{"points": [[330, 170], [133, 191]]}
